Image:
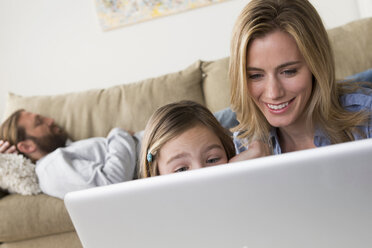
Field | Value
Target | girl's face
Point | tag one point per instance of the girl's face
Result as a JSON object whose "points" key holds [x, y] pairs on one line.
{"points": [[279, 79], [196, 148]]}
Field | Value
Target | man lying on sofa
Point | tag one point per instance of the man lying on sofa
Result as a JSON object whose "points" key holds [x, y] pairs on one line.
{"points": [[75, 165], [63, 166]]}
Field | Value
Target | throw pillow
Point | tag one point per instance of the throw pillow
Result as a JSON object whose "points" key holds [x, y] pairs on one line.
{"points": [[352, 47], [17, 175]]}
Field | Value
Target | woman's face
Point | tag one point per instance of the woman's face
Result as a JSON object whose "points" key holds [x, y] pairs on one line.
{"points": [[279, 79], [196, 148]]}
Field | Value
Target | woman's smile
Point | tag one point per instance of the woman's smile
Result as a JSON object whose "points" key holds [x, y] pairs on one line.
{"points": [[279, 108]]}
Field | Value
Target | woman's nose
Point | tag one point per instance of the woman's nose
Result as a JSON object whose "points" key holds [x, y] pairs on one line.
{"points": [[273, 88]]}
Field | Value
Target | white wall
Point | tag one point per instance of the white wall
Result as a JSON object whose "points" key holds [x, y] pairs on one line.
{"points": [[57, 46]]}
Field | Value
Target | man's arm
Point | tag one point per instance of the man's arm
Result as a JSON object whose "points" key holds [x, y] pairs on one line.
{"points": [[88, 163], [121, 157]]}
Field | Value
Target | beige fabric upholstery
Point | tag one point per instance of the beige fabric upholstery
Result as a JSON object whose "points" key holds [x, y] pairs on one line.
{"points": [[94, 113], [24, 217], [352, 47], [63, 240], [216, 84]]}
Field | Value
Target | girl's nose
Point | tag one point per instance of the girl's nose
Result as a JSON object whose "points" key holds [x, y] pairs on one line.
{"points": [[197, 165]]}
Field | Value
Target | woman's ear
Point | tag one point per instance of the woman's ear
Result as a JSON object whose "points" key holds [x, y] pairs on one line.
{"points": [[27, 146]]}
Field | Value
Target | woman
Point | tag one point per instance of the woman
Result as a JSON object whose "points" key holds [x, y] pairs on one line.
{"points": [[283, 86], [183, 136]]}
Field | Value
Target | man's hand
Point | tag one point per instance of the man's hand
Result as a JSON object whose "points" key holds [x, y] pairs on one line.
{"points": [[5, 147], [256, 149]]}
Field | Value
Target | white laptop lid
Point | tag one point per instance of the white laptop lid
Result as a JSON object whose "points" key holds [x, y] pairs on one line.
{"points": [[313, 198]]}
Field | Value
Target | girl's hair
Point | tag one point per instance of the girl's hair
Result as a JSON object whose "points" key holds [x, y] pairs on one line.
{"points": [[171, 121], [299, 19]]}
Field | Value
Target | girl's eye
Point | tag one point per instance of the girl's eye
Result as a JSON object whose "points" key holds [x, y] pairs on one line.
{"points": [[290, 72], [181, 169], [213, 160], [255, 76]]}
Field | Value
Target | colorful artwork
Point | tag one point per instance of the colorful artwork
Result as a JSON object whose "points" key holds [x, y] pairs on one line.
{"points": [[116, 13]]}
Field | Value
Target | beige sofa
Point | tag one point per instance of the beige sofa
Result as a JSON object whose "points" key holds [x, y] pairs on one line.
{"points": [[42, 221]]}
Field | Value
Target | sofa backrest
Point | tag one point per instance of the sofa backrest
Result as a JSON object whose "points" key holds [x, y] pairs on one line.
{"points": [[352, 47], [95, 112]]}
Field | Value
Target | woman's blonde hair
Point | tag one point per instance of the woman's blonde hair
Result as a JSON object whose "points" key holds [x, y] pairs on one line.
{"points": [[171, 121], [299, 19]]}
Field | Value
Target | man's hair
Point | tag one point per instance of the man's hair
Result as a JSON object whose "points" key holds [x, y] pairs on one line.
{"points": [[10, 130], [14, 133], [171, 121], [300, 20]]}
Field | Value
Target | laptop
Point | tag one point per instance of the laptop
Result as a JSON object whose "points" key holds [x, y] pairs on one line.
{"points": [[319, 197]]}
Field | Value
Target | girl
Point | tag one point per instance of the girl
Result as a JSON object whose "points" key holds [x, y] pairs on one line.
{"points": [[183, 136]]}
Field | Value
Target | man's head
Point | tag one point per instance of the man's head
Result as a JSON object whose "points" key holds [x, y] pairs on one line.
{"points": [[33, 135]]}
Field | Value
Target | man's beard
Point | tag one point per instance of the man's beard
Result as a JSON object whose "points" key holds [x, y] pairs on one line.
{"points": [[50, 142]]}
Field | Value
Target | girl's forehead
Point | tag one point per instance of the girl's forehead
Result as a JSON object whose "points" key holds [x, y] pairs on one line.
{"points": [[191, 138]]}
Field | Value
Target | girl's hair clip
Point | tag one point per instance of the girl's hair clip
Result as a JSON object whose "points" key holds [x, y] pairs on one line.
{"points": [[149, 157]]}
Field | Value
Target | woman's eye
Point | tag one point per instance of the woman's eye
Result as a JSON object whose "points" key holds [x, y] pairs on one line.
{"points": [[290, 72], [181, 169], [213, 160], [255, 76]]}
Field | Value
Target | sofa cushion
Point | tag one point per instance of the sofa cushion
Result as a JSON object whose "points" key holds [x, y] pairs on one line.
{"points": [[216, 84], [63, 240], [352, 47], [25, 217], [95, 112]]}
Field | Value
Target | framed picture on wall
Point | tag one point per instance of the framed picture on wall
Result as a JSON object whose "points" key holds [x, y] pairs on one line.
{"points": [[118, 13]]}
